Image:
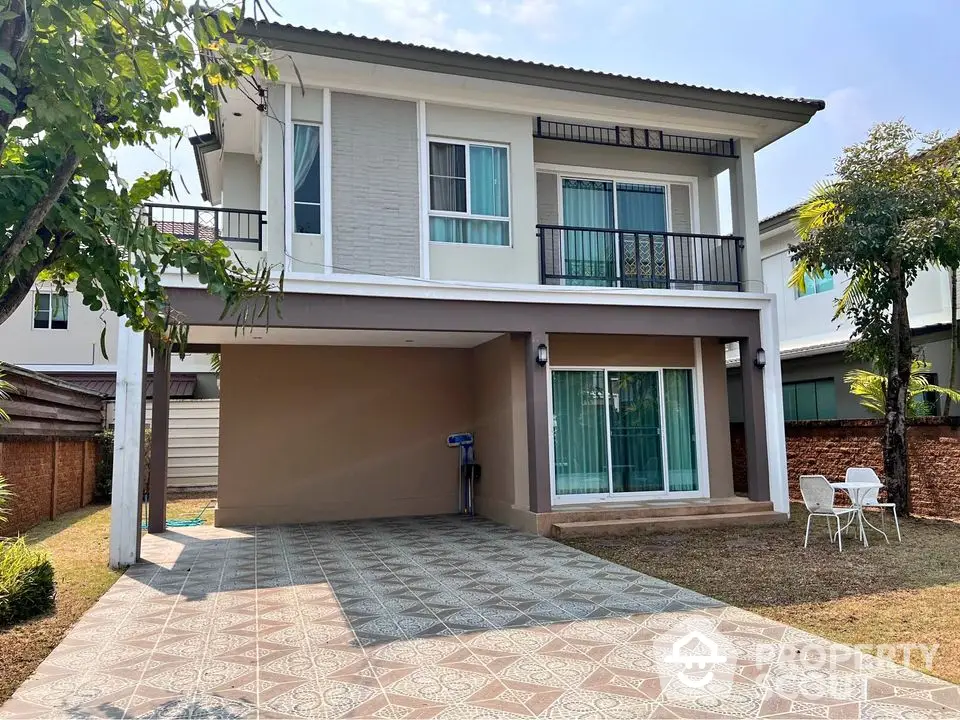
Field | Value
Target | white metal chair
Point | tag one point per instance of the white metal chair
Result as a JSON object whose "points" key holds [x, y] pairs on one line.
{"points": [[870, 498], [818, 496]]}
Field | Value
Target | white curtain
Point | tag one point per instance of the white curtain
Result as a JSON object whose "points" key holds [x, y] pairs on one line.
{"points": [[306, 146]]}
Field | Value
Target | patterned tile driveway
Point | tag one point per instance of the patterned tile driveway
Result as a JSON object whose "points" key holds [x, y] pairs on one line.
{"points": [[437, 617]]}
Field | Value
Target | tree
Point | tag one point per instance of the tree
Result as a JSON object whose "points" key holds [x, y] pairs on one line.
{"points": [[871, 388], [78, 79], [890, 212]]}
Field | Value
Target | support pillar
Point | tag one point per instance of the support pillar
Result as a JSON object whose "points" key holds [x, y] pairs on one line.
{"points": [[127, 449], [538, 434], [159, 441], [745, 216], [754, 421]]}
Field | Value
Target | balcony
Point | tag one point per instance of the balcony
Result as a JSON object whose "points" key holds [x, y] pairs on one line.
{"points": [[595, 257], [241, 229]]}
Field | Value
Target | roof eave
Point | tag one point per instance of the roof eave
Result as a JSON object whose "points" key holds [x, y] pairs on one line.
{"points": [[203, 144], [384, 52]]}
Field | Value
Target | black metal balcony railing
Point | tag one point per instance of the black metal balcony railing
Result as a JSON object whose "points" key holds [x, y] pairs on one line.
{"points": [[636, 138], [638, 259], [231, 225]]}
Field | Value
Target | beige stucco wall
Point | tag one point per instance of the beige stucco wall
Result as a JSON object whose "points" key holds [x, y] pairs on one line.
{"points": [[653, 352], [501, 429], [716, 406], [613, 159], [241, 181], [518, 263], [627, 351], [321, 433]]}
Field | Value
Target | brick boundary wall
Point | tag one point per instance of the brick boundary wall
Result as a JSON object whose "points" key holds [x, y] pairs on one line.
{"points": [[829, 447], [49, 476]]}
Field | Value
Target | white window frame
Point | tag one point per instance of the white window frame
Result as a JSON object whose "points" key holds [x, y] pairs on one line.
{"points": [[468, 215], [703, 473], [293, 173], [33, 313]]}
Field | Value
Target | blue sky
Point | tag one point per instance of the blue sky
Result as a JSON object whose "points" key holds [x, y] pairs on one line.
{"points": [[870, 60]]}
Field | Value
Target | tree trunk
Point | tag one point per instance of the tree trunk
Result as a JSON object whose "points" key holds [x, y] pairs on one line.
{"points": [[954, 340], [895, 458]]}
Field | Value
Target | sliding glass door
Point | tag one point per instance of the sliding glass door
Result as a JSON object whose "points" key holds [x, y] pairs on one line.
{"points": [[592, 256], [619, 433]]}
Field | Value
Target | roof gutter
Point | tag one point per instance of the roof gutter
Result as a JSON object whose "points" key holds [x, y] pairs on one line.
{"points": [[383, 52]]}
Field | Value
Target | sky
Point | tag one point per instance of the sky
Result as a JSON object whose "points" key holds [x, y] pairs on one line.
{"points": [[870, 60]]}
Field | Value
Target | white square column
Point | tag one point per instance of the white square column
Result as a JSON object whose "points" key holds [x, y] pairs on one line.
{"points": [[127, 448], [745, 216]]}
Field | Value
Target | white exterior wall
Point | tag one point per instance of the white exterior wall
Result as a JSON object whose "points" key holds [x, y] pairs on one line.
{"points": [[75, 349], [515, 264], [807, 322]]}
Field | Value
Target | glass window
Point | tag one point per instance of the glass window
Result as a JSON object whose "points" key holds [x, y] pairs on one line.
{"points": [[50, 311], [815, 285], [306, 179], [810, 400], [469, 191]]}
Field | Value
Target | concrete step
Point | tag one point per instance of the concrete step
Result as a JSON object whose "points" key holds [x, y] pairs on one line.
{"points": [[623, 526], [656, 509]]}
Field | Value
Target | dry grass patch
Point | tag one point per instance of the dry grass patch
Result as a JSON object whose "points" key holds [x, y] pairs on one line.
{"points": [[884, 594]]}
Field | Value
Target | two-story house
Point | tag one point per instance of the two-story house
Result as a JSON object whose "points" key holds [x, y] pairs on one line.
{"points": [[813, 344], [527, 252]]}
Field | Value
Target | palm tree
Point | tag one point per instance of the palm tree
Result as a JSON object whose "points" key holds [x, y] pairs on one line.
{"points": [[871, 388]]}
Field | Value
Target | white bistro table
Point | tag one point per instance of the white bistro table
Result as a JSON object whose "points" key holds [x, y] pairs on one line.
{"points": [[856, 492]]}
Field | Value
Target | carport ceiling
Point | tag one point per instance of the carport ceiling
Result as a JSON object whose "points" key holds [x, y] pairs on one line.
{"points": [[207, 335]]}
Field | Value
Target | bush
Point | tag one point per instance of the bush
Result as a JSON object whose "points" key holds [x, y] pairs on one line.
{"points": [[26, 582], [103, 484]]}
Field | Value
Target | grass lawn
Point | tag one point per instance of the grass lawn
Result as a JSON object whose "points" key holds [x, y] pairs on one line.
{"points": [[884, 594], [79, 544]]}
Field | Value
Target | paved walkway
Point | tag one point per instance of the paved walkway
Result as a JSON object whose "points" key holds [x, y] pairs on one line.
{"points": [[438, 617]]}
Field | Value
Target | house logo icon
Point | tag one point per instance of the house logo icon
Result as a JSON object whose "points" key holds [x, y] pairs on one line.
{"points": [[688, 652]]}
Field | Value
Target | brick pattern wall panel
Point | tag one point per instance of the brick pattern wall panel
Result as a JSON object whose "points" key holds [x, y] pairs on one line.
{"points": [[69, 475], [89, 470], [376, 205], [28, 468], [830, 447]]}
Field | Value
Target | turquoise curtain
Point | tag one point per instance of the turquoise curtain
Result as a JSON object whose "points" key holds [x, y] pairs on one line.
{"points": [[489, 194], [474, 232], [641, 207], [681, 430], [635, 431], [579, 432], [589, 257]]}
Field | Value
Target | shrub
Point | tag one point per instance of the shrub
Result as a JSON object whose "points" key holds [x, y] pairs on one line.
{"points": [[103, 484], [26, 582]]}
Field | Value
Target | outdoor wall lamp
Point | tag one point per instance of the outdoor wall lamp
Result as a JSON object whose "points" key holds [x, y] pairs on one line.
{"points": [[542, 355], [760, 359]]}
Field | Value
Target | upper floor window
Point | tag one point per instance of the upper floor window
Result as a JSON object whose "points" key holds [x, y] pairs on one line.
{"points": [[469, 193], [306, 179], [50, 310], [813, 285], [810, 400]]}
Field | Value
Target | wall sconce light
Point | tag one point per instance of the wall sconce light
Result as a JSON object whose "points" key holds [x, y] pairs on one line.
{"points": [[760, 360], [542, 355]]}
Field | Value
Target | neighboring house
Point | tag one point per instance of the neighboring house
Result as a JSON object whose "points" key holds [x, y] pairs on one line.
{"points": [[56, 334], [527, 252], [813, 344]]}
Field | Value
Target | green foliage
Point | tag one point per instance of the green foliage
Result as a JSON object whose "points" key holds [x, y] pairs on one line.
{"points": [[6, 494], [871, 388], [27, 585], [103, 479], [79, 79], [892, 210]]}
